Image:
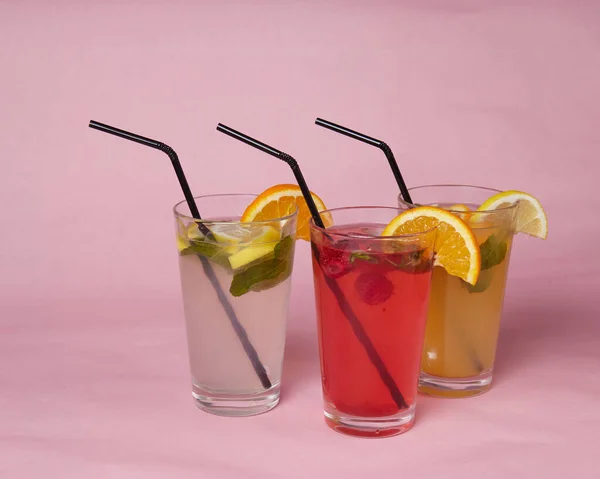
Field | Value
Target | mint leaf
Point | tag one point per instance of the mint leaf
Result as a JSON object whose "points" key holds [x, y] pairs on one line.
{"points": [[212, 251], [284, 247], [266, 273], [202, 248], [361, 255], [254, 275], [483, 283], [493, 252]]}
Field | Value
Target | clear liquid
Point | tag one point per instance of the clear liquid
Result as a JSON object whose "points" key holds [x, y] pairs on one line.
{"points": [[218, 362]]}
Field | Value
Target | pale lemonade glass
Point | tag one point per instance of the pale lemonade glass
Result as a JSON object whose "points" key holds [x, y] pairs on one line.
{"points": [[255, 289], [463, 321]]}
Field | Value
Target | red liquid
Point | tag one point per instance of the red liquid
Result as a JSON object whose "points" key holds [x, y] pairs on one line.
{"points": [[389, 293]]}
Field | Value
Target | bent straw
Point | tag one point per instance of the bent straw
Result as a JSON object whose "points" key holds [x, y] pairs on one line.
{"points": [[397, 175], [355, 324], [235, 323], [373, 142]]}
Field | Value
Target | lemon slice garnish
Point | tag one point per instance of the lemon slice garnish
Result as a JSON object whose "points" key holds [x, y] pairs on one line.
{"points": [[263, 243], [531, 217]]}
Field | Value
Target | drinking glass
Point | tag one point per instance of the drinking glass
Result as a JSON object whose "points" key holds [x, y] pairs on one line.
{"points": [[463, 321], [235, 281], [371, 300]]}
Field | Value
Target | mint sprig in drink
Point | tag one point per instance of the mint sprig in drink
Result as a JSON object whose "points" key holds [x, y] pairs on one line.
{"points": [[463, 322], [385, 282], [252, 262]]}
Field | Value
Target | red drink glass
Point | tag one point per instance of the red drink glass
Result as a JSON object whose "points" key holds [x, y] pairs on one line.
{"points": [[372, 296]]}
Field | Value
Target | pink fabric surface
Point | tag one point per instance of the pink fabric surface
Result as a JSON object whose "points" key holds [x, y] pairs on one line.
{"points": [[94, 379]]}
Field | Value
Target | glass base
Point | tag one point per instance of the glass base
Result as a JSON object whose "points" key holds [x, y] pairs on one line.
{"points": [[455, 387], [374, 427], [234, 404]]}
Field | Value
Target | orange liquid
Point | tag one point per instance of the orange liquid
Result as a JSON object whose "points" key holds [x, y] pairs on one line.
{"points": [[463, 326]]}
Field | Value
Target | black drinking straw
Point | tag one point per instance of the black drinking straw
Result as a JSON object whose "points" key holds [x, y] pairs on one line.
{"points": [[397, 175], [237, 326], [355, 324], [373, 142]]}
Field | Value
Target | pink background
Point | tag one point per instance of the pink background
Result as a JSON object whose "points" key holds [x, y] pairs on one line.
{"points": [[93, 368]]}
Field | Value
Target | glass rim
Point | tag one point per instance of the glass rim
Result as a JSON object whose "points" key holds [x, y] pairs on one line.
{"points": [[370, 237], [456, 185], [228, 222]]}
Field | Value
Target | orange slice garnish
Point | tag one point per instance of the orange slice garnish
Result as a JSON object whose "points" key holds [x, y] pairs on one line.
{"points": [[456, 248], [280, 201]]}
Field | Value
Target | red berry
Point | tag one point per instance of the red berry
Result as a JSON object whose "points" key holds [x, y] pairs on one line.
{"points": [[335, 261], [373, 288]]}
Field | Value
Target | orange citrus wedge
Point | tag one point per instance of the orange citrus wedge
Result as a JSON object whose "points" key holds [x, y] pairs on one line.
{"points": [[456, 249], [281, 200]]}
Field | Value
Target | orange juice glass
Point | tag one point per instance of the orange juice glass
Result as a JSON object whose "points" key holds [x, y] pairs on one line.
{"points": [[463, 321]]}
